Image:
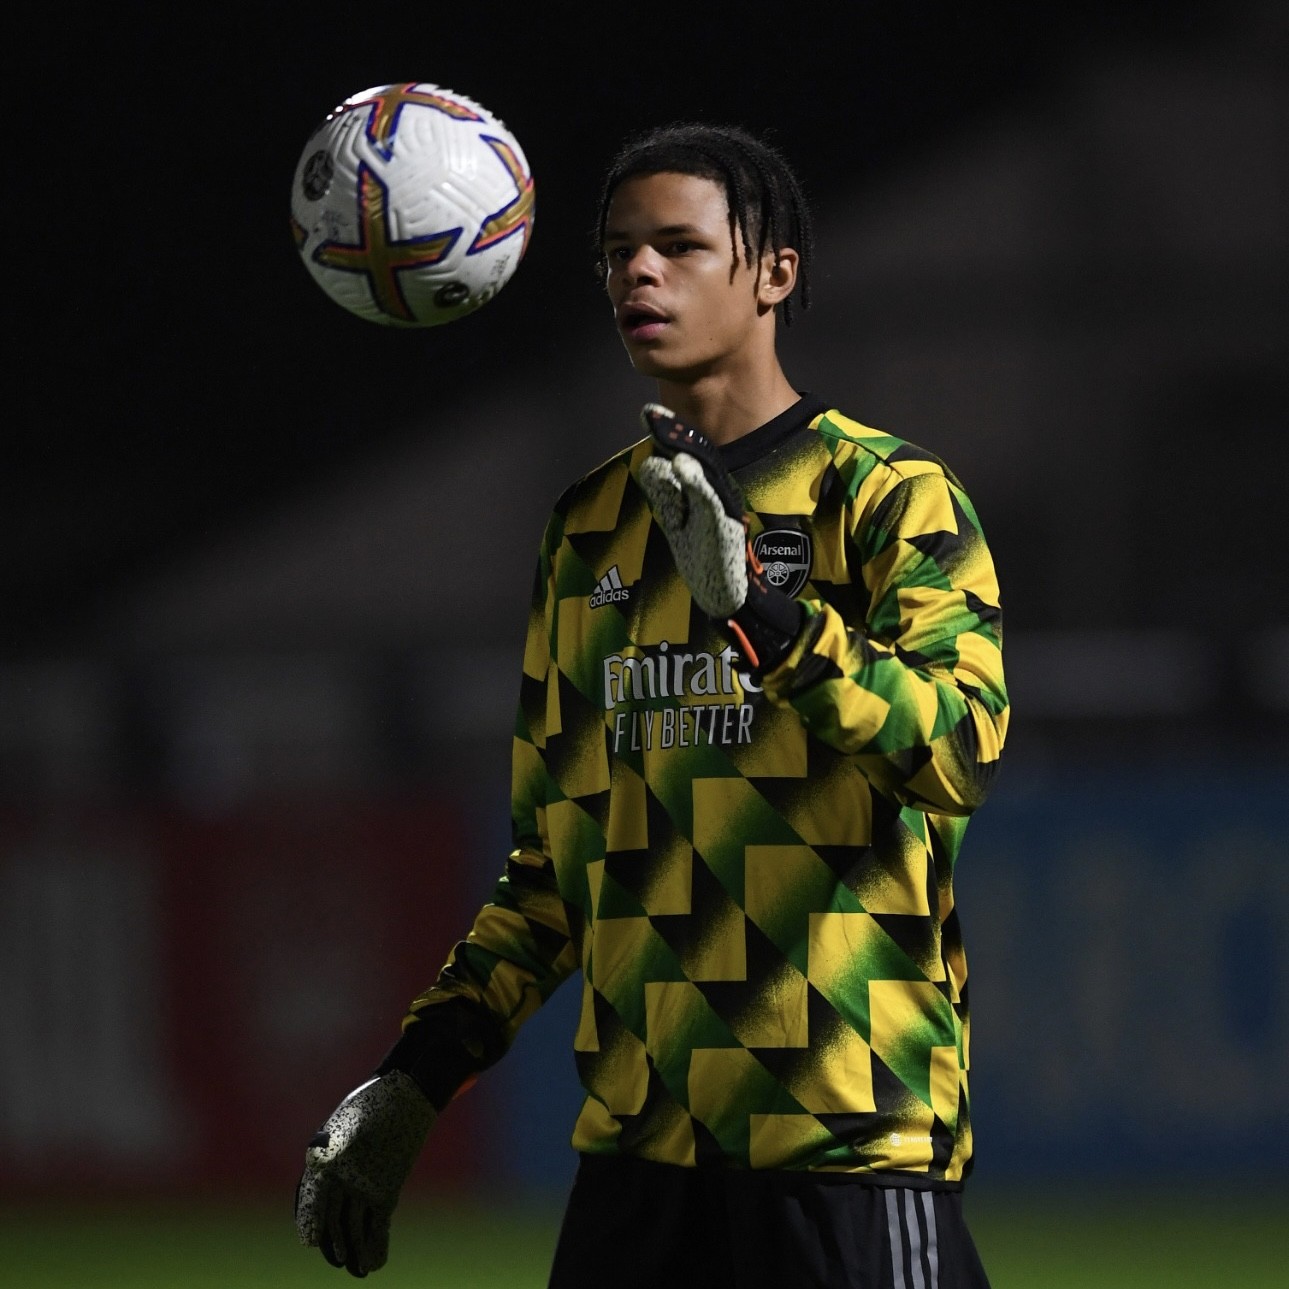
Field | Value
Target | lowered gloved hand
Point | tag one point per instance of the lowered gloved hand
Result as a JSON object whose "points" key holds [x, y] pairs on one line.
{"points": [[699, 507], [355, 1167]]}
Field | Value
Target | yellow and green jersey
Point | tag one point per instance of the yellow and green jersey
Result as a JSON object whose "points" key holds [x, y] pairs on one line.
{"points": [[754, 880]]}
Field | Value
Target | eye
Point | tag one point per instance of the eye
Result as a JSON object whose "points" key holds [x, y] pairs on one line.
{"points": [[680, 247]]}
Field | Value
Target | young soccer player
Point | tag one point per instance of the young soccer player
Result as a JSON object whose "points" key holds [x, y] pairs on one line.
{"points": [[762, 694]]}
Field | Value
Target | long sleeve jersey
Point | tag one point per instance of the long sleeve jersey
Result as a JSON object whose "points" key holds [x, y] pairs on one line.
{"points": [[754, 879]]}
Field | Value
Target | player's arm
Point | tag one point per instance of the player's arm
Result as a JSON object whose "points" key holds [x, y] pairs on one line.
{"points": [[356, 1165], [916, 691], [519, 949]]}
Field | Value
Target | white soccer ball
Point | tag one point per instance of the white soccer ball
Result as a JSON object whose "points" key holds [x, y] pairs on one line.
{"points": [[412, 205]]}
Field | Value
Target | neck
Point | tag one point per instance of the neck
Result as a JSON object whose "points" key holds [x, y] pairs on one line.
{"points": [[725, 407]]}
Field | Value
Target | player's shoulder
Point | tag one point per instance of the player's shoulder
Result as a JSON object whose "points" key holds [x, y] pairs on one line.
{"points": [[594, 500], [857, 445]]}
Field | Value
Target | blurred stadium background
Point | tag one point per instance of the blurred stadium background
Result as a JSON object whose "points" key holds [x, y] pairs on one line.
{"points": [[268, 566]]}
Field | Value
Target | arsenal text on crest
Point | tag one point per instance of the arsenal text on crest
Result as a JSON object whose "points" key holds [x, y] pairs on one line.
{"points": [[785, 554]]}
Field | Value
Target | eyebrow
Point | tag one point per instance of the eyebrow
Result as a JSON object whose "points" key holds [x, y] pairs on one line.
{"points": [[668, 230]]}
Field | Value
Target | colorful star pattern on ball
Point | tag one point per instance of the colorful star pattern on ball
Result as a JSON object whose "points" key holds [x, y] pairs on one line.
{"points": [[380, 256], [515, 215], [387, 106]]}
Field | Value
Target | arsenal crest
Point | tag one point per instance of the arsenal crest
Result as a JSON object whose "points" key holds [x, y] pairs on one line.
{"points": [[785, 554]]}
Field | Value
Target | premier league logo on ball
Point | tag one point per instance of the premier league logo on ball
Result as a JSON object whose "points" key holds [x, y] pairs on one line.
{"points": [[785, 555]]}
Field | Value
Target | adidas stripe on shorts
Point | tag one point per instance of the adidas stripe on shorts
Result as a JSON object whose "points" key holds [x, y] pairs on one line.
{"points": [[631, 1224]]}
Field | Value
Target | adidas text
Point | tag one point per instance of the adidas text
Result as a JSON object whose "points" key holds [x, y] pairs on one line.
{"points": [[609, 590]]}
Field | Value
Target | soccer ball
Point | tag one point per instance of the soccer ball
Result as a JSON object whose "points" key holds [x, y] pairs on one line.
{"points": [[412, 205]]}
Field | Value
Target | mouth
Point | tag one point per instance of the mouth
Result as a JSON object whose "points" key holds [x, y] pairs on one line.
{"points": [[641, 322]]}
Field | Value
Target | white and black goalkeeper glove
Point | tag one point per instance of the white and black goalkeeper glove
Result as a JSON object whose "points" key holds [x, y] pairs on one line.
{"points": [[699, 507], [355, 1167]]}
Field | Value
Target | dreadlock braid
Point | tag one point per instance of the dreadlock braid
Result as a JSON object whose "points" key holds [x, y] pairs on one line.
{"points": [[767, 207]]}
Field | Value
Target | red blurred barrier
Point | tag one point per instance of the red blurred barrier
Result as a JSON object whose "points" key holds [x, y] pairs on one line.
{"points": [[191, 996]]}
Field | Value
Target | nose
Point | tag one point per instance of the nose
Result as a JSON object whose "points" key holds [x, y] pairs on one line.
{"points": [[642, 267]]}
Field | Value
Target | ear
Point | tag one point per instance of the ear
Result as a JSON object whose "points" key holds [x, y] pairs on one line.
{"points": [[777, 280]]}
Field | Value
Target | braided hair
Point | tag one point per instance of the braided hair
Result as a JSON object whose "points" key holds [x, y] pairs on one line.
{"points": [[767, 207]]}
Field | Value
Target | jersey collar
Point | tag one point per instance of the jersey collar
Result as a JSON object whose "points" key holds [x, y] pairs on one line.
{"points": [[765, 438]]}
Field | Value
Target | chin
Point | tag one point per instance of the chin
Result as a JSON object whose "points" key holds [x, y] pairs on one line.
{"points": [[647, 365], [659, 366]]}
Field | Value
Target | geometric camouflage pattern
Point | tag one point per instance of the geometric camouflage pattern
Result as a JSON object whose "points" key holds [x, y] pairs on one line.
{"points": [[756, 883]]}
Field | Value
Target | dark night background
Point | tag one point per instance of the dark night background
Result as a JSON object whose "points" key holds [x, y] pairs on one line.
{"points": [[174, 368]]}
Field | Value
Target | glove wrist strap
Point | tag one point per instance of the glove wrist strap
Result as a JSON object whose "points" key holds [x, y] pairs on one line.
{"points": [[767, 625], [445, 1049]]}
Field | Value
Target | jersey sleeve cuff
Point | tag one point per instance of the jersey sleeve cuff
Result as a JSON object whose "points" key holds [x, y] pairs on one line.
{"points": [[443, 1047]]}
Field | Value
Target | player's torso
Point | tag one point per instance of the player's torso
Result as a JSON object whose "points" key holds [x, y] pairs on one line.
{"points": [[723, 857], [669, 766]]}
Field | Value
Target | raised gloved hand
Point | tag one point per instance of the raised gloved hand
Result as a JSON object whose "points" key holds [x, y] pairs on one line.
{"points": [[355, 1167], [699, 507]]}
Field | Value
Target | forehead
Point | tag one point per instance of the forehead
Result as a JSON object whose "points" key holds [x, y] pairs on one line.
{"points": [[646, 203]]}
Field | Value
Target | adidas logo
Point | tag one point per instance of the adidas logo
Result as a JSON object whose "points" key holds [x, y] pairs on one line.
{"points": [[610, 590]]}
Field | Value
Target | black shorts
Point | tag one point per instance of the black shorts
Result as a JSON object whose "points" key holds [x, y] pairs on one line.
{"points": [[631, 1224]]}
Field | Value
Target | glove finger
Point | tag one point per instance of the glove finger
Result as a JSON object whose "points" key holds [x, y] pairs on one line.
{"points": [[352, 1212], [701, 500], [690, 474], [306, 1219], [676, 439], [658, 422], [692, 478], [657, 477], [718, 581], [310, 1207], [659, 483], [331, 1235], [309, 1191], [376, 1239]]}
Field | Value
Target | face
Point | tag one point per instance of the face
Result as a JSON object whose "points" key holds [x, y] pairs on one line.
{"points": [[686, 304]]}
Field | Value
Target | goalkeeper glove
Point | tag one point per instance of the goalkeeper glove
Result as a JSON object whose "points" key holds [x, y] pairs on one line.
{"points": [[355, 1167], [699, 507]]}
